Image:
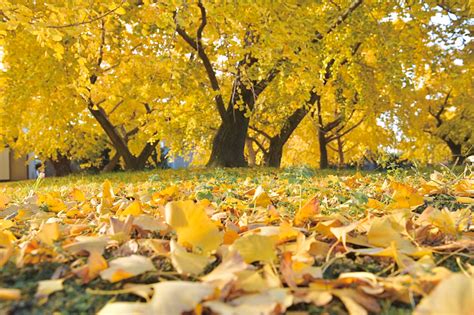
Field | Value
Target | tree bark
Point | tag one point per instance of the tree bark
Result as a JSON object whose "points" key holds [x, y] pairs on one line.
{"points": [[275, 151], [228, 146], [62, 166], [119, 142], [456, 152], [323, 149], [252, 160], [229, 142], [340, 151], [109, 167]]}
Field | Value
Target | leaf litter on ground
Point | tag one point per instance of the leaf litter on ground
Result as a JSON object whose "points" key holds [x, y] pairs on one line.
{"points": [[265, 244]]}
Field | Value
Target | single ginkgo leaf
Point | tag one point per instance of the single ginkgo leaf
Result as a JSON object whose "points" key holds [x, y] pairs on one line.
{"points": [[4, 200], [49, 232], [149, 223], [351, 305], [454, 295], [193, 227], [120, 11], [308, 211], [375, 204], [53, 203], [127, 267], [95, 263], [185, 262], [78, 195], [177, 297], [287, 232], [261, 198], [88, 243], [385, 230], [227, 271], [107, 196], [47, 287], [341, 232], [133, 209], [273, 301], [405, 197], [253, 247]]}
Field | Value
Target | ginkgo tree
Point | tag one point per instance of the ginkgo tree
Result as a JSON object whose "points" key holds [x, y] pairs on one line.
{"points": [[257, 43], [102, 77], [436, 113], [354, 77]]}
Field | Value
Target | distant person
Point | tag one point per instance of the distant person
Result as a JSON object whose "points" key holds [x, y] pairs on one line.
{"points": [[38, 168]]}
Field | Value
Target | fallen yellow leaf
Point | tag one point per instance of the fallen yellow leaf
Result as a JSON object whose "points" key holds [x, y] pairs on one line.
{"points": [[454, 295], [10, 294], [254, 247], [193, 227], [309, 210], [127, 267]]}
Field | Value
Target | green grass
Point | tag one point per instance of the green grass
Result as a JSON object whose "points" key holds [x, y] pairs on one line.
{"points": [[293, 174]]}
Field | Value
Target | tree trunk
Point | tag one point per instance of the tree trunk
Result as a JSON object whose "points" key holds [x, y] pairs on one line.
{"points": [[62, 166], [456, 152], [229, 142], [228, 146], [275, 153], [120, 143], [323, 149], [340, 151], [109, 167], [252, 155]]}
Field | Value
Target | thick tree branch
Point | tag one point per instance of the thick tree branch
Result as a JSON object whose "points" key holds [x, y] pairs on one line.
{"points": [[437, 115], [146, 152], [333, 124], [354, 5], [198, 47], [203, 22]]}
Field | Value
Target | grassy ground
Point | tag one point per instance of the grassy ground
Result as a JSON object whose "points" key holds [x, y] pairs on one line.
{"points": [[344, 192]]}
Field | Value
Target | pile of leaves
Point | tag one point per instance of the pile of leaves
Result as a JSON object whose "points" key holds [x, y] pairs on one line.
{"points": [[233, 242]]}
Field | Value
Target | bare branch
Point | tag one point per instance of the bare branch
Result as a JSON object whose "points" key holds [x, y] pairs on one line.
{"points": [[203, 22], [147, 108], [333, 124], [197, 45], [260, 145], [116, 106], [263, 133], [340, 135], [332, 148]]}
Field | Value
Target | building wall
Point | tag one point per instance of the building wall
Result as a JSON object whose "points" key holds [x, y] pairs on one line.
{"points": [[18, 167], [4, 164]]}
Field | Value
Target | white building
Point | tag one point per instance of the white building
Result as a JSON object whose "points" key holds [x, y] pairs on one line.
{"points": [[13, 167]]}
